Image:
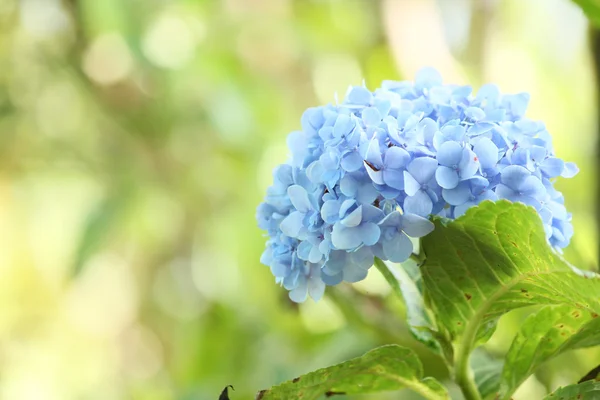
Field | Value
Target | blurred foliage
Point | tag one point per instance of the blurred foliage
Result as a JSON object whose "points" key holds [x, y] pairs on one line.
{"points": [[138, 138]]}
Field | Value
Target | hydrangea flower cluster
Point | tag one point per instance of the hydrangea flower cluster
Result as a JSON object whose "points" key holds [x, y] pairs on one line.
{"points": [[365, 175]]}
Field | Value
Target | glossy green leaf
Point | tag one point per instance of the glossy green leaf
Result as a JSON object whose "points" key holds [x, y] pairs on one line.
{"points": [[383, 369], [546, 334], [591, 8], [589, 390], [495, 259]]}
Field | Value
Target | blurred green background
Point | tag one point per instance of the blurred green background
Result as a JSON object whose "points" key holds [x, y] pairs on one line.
{"points": [[138, 137]]}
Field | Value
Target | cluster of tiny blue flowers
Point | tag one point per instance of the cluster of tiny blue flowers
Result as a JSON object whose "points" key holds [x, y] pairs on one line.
{"points": [[364, 176]]}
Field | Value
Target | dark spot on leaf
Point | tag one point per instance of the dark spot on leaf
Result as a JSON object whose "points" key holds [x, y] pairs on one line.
{"points": [[523, 290], [561, 326], [468, 296], [593, 374], [373, 167], [594, 315], [225, 394], [295, 380], [576, 314], [514, 244], [579, 396], [459, 323], [563, 334], [331, 394]]}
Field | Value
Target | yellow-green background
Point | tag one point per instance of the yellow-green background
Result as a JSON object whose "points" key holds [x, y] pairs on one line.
{"points": [[137, 138]]}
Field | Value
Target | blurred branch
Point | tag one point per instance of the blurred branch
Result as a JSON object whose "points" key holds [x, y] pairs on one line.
{"points": [[595, 50], [474, 54]]}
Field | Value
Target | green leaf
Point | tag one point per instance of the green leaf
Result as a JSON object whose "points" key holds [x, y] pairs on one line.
{"points": [[591, 8], [589, 390], [404, 280], [546, 334], [487, 371], [97, 229], [385, 368], [495, 259]]}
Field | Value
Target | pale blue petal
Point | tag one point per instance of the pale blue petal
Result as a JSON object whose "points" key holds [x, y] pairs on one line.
{"points": [[533, 187], [354, 273], [397, 249], [343, 125], [570, 170], [449, 153], [446, 177], [344, 238], [396, 158], [411, 186], [552, 167], [514, 176], [416, 226], [299, 197], [332, 280], [422, 169], [487, 152], [371, 116], [427, 77], [359, 95], [394, 178], [369, 233], [330, 211], [352, 162], [419, 204], [300, 293], [469, 164], [353, 219], [292, 224], [457, 196]]}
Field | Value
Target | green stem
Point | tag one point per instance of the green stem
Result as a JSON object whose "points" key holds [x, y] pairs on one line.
{"points": [[389, 277], [462, 371]]}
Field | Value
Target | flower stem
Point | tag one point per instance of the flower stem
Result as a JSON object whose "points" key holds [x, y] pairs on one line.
{"points": [[389, 277], [462, 371]]}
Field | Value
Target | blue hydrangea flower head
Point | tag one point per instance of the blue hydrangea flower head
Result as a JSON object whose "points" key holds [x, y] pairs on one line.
{"points": [[364, 176]]}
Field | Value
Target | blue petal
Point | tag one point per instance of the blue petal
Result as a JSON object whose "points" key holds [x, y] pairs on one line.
{"points": [[416, 226], [292, 224], [369, 233], [552, 167], [570, 170], [422, 169], [330, 211], [449, 153], [533, 187], [353, 219], [396, 158], [344, 238], [411, 186], [419, 204], [469, 164], [459, 195], [300, 293], [514, 176], [359, 95], [354, 273], [516, 104], [352, 161], [504, 192], [398, 248], [394, 178], [487, 152], [427, 77], [343, 125], [332, 280], [440, 95], [299, 197], [474, 113], [371, 116], [446, 177]]}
